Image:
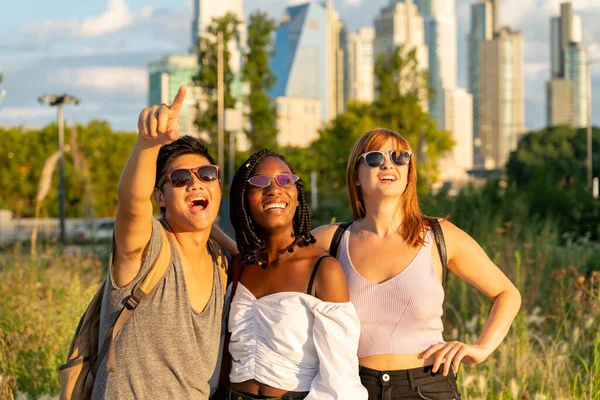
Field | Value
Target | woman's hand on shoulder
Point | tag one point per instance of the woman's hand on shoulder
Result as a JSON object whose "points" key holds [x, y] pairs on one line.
{"points": [[324, 234], [451, 354], [330, 282]]}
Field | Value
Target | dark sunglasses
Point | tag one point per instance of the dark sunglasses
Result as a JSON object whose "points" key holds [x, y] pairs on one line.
{"points": [[376, 159], [263, 181], [182, 177]]}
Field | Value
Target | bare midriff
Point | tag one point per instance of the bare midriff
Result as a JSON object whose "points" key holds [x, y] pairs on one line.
{"points": [[254, 387], [392, 362]]}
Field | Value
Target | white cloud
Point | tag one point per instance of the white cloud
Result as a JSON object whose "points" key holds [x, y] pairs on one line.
{"points": [[533, 70], [115, 17], [21, 113], [521, 13], [123, 80], [91, 51]]}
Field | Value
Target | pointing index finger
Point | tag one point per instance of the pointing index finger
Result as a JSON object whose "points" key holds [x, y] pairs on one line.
{"points": [[179, 97]]}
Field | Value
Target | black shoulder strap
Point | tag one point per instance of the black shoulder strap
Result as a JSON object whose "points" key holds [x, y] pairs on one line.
{"points": [[223, 384], [337, 238], [314, 273], [438, 234]]}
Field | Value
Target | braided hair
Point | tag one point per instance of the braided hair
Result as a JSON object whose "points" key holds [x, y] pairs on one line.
{"points": [[248, 242]]}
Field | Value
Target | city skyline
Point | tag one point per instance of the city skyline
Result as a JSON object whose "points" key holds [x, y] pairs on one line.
{"points": [[567, 90], [78, 51]]}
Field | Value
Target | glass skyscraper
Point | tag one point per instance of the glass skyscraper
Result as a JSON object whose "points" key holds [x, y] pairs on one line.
{"points": [[567, 89], [300, 61]]}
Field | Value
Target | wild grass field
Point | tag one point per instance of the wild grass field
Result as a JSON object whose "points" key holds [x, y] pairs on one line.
{"points": [[551, 352]]}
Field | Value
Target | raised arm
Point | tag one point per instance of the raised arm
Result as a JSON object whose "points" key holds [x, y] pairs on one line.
{"points": [[470, 262], [157, 125]]}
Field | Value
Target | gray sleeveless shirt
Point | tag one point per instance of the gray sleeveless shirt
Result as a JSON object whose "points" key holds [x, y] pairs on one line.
{"points": [[167, 350]]}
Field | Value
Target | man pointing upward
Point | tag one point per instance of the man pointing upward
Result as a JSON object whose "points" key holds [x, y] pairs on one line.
{"points": [[168, 347]]}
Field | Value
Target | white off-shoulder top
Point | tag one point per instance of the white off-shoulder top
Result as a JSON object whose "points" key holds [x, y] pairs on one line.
{"points": [[294, 341]]}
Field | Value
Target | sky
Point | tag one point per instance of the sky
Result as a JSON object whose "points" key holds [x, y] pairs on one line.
{"points": [[98, 50]]}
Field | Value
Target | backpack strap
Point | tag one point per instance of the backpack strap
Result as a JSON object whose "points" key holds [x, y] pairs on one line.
{"points": [[314, 273], [226, 356], [337, 238], [145, 287], [219, 257], [438, 235]]}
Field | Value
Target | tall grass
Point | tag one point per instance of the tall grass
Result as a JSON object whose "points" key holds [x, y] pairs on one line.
{"points": [[552, 349], [551, 352], [40, 305]]}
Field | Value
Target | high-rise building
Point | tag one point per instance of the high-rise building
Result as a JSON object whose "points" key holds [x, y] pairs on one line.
{"points": [[359, 74], [501, 105], [458, 119], [298, 121], [450, 106], [440, 37], [174, 70], [484, 23], [205, 11], [335, 55], [401, 24], [559, 102], [166, 76], [566, 91], [308, 60]]}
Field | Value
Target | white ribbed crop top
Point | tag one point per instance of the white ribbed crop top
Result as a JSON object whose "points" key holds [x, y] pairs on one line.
{"points": [[401, 315]]}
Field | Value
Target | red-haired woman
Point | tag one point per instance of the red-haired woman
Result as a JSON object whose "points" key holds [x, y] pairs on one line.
{"points": [[394, 274]]}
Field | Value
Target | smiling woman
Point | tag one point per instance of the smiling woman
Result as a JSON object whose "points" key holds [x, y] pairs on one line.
{"points": [[294, 333], [394, 263]]}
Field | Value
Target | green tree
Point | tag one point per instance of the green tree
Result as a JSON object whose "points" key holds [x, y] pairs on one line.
{"points": [[24, 153], [206, 78], [548, 169], [262, 115], [556, 154], [401, 89]]}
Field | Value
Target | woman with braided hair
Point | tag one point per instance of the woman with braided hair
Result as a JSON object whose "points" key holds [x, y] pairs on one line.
{"points": [[294, 333]]}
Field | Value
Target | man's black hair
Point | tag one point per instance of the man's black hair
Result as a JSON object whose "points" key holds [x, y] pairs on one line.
{"points": [[180, 147], [248, 242]]}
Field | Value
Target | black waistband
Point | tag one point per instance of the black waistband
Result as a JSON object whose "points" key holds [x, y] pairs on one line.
{"points": [[235, 395], [413, 373]]}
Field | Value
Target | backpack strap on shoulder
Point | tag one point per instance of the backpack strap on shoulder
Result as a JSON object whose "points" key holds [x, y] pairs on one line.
{"points": [[235, 276], [314, 273], [438, 234], [219, 257], [146, 286], [337, 238]]}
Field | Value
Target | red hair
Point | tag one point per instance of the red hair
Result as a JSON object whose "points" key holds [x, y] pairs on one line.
{"points": [[414, 222]]}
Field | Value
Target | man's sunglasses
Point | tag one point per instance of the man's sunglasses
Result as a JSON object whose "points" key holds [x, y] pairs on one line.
{"points": [[182, 177], [376, 159], [263, 181]]}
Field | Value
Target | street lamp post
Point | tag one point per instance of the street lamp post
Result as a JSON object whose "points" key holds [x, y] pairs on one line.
{"points": [[588, 63], [58, 101], [589, 122]]}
